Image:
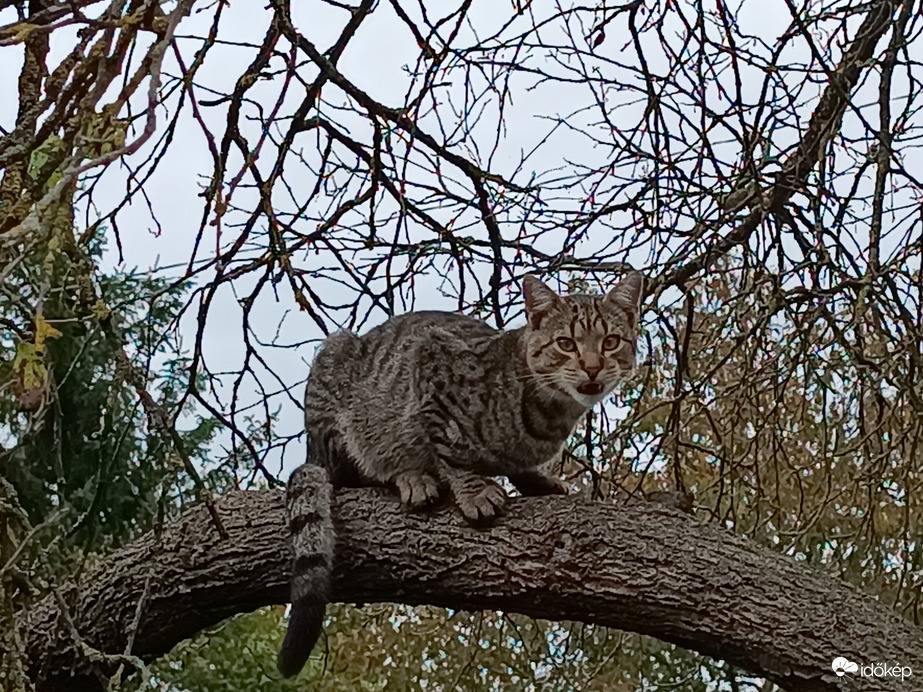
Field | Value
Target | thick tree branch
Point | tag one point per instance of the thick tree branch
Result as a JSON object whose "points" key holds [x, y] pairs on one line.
{"points": [[639, 567]]}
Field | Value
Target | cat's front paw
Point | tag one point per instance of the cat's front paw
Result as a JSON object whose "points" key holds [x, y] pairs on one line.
{"points": [[534, 483], [416, 489], [482, 503]]}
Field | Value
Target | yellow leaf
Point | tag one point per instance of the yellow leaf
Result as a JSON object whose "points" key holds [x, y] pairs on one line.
{"points": [[29, 366], [43, 330], [100, 310]]}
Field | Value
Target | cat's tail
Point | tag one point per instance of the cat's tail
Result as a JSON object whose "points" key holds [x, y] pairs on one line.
{"points": [[307, 506]]}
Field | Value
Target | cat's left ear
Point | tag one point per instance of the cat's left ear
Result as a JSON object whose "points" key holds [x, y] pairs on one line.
{"points": [[627, 293], [539, 299]]}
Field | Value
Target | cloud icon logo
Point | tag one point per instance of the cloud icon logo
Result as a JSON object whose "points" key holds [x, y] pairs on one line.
{"points": [[841, 666]]}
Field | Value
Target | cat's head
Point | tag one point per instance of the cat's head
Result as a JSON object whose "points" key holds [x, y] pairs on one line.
{"points": [[581, 344]]}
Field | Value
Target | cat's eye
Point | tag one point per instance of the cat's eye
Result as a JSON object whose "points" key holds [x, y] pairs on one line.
{"points": [[567, 345], [612, 342]]}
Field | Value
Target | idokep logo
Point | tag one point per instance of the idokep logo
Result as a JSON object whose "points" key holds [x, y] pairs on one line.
{"points": [[841, 666]]}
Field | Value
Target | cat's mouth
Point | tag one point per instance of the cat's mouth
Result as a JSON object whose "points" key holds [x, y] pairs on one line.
{"points": [[591, 388]]}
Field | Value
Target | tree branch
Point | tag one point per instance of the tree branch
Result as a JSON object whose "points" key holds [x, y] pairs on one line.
{"points": [[640, 567], [824, 124]]}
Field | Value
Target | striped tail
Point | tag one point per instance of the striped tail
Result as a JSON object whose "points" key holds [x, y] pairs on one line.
{"points": [[307, 507]]}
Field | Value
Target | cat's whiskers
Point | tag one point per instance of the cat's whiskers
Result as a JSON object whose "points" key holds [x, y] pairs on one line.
{"points": [[541, 378]]}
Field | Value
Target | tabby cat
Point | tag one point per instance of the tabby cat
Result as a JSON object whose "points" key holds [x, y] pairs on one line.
{"points": [[433, 401]]}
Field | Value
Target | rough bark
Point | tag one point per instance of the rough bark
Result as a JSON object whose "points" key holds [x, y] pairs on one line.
{"points": [[638, 567]]}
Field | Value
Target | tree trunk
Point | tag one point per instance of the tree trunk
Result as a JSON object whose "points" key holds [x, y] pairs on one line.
{"points": [[638, 567]]}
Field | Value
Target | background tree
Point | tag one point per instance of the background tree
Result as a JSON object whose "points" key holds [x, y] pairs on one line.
{"points": [[758, 160]]}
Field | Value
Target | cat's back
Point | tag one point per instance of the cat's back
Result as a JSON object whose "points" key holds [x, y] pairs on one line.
{"points": [[381, 364], [428, 345], [411, 328]]}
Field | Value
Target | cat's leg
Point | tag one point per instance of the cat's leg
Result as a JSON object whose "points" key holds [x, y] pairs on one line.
{"points": [[394, 456], [534, 482], [445, 427], [478, 498], [410, 469]]}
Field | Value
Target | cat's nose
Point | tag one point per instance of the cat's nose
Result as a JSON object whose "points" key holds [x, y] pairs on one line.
{"points": [[591, 365]]}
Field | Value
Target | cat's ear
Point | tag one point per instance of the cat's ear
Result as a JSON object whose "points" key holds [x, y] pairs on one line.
{"points": [[539, 299], [628, 292]]}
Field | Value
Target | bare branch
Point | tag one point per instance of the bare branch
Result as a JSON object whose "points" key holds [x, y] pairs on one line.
{"points": [[825, 122]]}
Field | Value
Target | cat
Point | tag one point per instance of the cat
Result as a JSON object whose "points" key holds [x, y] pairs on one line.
{"points": [[433, 401]]}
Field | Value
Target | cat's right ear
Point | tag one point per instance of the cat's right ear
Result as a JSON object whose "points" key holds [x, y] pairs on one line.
{"points": [[628, 293], [539, 299]]}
